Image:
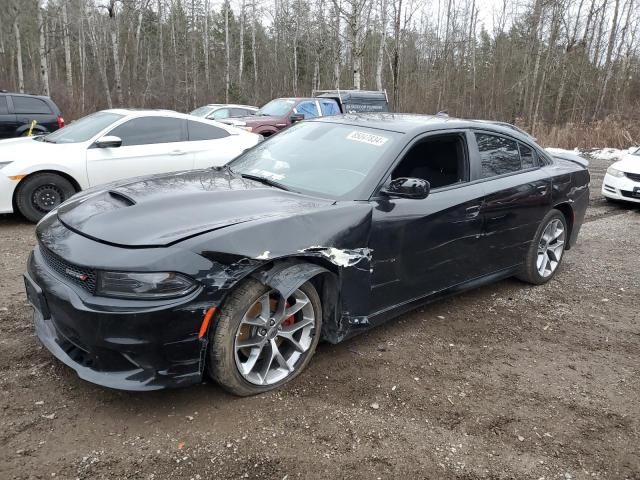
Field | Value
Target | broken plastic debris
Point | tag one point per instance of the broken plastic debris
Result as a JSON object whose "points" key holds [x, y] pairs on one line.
{"points": [[341, 257]]}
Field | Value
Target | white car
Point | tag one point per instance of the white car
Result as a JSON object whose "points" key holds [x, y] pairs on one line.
{"points": [[39, 173], [622, 180], [218, 111]]}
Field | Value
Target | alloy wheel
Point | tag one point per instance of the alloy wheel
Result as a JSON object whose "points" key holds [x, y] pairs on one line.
{"points": [[274, 336], [550, 248]]}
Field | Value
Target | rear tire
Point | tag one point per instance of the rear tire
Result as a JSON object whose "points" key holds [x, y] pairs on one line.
{"points": [[546, 251], [40, 193], [227, 356]]}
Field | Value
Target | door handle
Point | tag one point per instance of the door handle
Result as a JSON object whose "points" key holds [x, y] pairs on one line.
{"points": [[178, 152], [473, 212]]}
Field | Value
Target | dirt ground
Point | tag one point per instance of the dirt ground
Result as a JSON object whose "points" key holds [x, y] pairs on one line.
{"points": [[507, 381]]}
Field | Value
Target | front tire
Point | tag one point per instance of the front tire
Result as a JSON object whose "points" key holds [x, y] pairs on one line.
{"points": [[261, 340], [546, 251], [40, 193]]}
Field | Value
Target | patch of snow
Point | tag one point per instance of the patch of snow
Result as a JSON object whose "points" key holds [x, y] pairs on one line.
{"points": [[264, 256], [607, 153]]}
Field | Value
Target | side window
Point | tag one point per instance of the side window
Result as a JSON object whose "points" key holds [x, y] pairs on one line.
{"points": [[308, 109], [499, 155], [441, 160], [150, 130], [329, 107], [528, 156], [4, 109], [30, 105], [202, 131], [241, 112], [220, 114]]}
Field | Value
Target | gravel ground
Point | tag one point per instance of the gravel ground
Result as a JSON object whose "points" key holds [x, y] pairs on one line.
{"points": [[507, 381]]}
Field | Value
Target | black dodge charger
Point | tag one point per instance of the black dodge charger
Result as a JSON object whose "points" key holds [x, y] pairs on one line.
{"points": [[328, 229]]}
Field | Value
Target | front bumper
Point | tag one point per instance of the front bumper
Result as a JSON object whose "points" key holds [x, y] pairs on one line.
{"points": [[127, 345], [621, 188], [7, 187]]}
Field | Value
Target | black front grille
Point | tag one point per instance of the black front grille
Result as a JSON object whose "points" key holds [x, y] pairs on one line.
{"points": [[627, 193], [633, 176], [85, 277]]}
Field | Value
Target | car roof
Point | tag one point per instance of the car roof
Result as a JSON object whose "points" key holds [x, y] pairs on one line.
{"points": [[415, 124], [16, 94], [135, 112], [232, 105]]}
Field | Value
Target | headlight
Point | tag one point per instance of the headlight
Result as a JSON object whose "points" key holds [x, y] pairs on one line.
{"points": [[248, 129], [614, 172], [143, 285], [4, 164]]}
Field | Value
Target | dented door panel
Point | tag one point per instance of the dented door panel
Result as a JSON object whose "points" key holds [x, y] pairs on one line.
{"points": [[423, 246]]}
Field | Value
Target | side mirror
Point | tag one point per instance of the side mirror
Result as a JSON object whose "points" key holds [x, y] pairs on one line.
{"points": [[407, 188], [108, 141], [296, 117]]}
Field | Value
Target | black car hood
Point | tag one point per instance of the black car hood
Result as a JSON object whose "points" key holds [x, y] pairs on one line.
{"points": [[162, 210]]}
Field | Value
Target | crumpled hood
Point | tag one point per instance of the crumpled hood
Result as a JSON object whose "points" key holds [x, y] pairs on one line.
{"points": [[164, 209], [629, 164]]}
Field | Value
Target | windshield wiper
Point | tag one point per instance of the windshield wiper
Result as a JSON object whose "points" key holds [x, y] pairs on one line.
{"points": [[266, 181], [42, 138]]}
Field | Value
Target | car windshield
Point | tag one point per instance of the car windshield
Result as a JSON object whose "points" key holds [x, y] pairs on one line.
{"points": [[202, 111], [277, 108], [83, 129], [326, 159]]}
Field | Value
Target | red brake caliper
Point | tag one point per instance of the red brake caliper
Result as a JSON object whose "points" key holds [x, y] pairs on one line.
{"points": [[289, 321]]}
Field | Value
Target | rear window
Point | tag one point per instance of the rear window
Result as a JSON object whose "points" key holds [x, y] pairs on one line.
{"points": [[499, 155], [30, 105], [202, 131], [528, 156]]}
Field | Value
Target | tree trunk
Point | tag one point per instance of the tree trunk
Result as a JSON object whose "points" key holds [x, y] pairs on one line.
{"points": [[241, 46], [161, 42], [337, 46], [608, 63], [253, 51], [44, 67], [227, 66], [67, 51], [116, 56], [16, 31], [205, 49], [383, 39]]}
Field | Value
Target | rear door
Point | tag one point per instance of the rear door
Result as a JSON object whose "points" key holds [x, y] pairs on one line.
{"points": [[149, 145], [8, 122], [28, 109], [308, 108], [517, 195], [328, 107]]}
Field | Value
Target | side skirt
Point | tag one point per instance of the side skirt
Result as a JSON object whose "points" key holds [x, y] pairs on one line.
{"points": [[389, 313]]}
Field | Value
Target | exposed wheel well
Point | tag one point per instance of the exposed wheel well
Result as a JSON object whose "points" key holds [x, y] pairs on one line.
{"points": [[567, 211], [68, 177]]}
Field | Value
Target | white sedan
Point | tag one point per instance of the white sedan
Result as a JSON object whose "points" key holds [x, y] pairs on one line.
{"points": [[39, 173], [622, 180]]}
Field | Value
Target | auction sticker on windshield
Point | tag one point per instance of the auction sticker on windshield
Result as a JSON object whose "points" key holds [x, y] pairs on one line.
{"points": [[370, 138]]}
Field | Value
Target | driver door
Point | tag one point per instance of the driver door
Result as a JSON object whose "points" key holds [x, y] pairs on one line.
{"points": [[423, 246], [149, 145]]}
